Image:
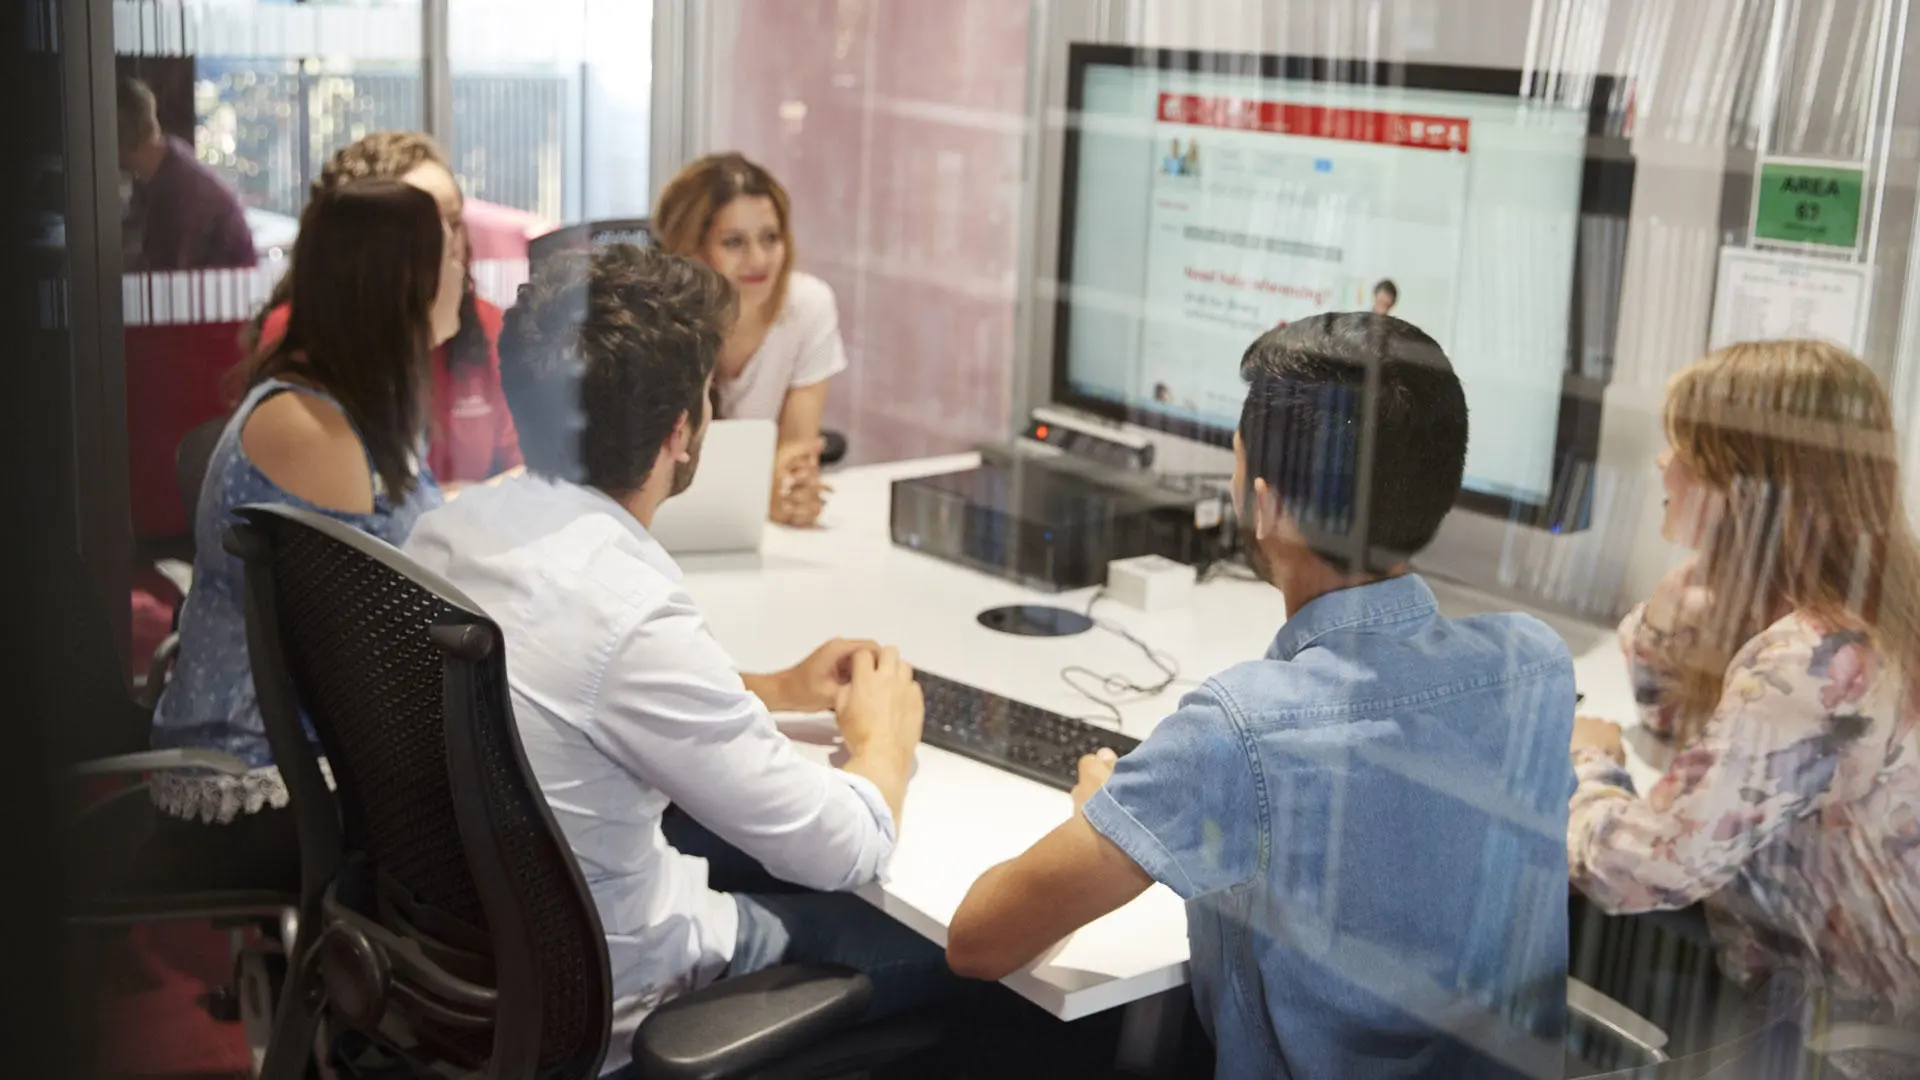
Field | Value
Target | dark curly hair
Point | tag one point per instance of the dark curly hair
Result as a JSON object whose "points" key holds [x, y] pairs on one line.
{"points": [[387, 155], [603, 354]]}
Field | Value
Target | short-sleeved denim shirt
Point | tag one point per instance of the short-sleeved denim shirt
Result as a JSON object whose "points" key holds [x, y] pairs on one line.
{"points": [[1369, 829]]}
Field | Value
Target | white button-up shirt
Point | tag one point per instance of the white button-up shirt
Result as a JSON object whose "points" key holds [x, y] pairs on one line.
{"points": [[625, 703]]}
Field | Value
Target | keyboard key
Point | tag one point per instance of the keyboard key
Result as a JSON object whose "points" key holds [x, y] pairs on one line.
{"points": [[1042, 746]]}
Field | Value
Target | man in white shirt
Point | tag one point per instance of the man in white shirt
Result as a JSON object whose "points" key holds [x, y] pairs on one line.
{"points": [[624, 701]]}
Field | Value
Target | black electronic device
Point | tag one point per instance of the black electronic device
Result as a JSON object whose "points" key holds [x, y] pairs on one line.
{"points": [[1051, 521], [1025, 740], [1113, 448]]}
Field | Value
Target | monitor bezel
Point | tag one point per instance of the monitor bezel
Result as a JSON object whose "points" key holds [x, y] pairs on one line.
{"points": [[1606, 191]]}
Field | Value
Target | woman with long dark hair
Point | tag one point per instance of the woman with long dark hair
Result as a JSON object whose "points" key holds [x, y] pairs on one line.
{"points": [[334, 420], [470, 431]]}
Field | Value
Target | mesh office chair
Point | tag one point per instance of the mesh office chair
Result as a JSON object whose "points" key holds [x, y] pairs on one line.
{"points": [[638, 231], [443, 922], [452, 929], [1768, 1042], [102, 739]]}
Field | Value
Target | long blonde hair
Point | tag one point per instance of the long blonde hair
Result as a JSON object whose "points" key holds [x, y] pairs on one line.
{"points": [[683, 218], [1796, 441]]}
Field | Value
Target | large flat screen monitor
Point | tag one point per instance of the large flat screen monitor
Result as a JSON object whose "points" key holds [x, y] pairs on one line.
{"points": [[1209, 197]]}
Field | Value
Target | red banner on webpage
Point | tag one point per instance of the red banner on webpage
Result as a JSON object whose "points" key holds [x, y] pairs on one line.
{"points": [[1413, 130]]}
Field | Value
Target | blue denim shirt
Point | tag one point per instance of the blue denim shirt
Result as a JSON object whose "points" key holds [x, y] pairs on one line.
{"points": [[1369, 828]]}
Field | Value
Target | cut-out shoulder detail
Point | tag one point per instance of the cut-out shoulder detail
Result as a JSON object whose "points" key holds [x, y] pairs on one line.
{"points": [[209, 702], [305, 444]]}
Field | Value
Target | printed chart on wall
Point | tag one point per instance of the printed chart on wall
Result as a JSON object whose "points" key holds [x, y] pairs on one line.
{"points": [[1210, 208], [1762, 295]]}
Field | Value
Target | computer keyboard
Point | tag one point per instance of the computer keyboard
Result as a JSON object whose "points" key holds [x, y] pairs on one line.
{"points": [[1024, 740]]}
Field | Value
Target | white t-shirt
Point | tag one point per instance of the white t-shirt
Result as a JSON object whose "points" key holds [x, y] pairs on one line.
{"points": [[801, 348]]}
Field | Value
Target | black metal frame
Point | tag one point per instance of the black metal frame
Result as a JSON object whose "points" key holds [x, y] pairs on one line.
{"points": [[1606, 192], [90, 311]]}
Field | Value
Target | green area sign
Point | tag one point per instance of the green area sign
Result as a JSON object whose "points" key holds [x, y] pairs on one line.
{"points": [[1812, 203]]}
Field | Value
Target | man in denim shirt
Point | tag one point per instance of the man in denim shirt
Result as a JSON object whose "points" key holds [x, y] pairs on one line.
{"points": [[1369, 824]]}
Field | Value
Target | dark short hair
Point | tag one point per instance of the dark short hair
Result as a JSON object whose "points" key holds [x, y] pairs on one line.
{"points": [[602, 355], [366, 268], [137, 112], [1302, 421], [1386, 285]]}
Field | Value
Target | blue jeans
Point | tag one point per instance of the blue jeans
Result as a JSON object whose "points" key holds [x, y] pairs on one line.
{"points": [[782, 923]]}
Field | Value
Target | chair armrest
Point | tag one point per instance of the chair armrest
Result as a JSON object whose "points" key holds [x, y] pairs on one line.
{"points": [[736, 1026], [1618, 1021], [157, 669], [1839, 1038], [161, 761]]}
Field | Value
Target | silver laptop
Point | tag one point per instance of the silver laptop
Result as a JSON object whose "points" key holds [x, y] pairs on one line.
{"points": [[725, 510]]}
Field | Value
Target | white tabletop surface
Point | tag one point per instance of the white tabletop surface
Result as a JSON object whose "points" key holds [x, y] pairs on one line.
{"points": [[846, 579]]}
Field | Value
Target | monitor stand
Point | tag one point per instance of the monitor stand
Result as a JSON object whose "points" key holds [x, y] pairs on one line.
{"points": [[1035, 620]]}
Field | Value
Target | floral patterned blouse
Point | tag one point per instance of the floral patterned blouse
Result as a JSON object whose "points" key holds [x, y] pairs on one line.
{"points": [[1794, 814]]}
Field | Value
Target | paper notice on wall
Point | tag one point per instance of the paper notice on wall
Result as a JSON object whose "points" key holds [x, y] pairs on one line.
{"points": [[1762, 295]]}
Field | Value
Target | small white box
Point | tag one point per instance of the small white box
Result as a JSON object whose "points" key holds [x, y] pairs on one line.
{"points": [[1150, 582]]}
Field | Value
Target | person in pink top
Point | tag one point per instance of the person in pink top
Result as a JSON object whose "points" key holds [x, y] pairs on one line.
{"points": [[472, 436]]}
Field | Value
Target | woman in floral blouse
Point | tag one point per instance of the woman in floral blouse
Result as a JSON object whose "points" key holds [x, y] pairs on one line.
{"points": [[1781, 662]]}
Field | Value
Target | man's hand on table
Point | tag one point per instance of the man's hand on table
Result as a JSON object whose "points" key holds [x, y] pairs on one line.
{"points": [[799, 494], [880, 712], [814, 684]]}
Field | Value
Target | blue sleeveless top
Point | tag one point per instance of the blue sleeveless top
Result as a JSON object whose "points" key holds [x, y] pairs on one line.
{"points": [[209, 702]]}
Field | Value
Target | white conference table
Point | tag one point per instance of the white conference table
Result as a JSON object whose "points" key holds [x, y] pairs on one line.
{"points": [[847, 579]]}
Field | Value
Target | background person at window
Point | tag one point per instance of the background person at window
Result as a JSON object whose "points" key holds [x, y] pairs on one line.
{"points": [[182, 215], [1385, 295], [733, 215], [471, 433], [333, 420], [1781, 661]]}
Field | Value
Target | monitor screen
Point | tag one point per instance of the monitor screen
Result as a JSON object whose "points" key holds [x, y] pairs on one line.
{"points": [[1208, 198]]}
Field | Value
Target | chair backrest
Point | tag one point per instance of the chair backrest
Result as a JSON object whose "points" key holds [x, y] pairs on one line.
{"points": [[190, 461], [441, 833], [1768, 1044], [589, 234]]}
